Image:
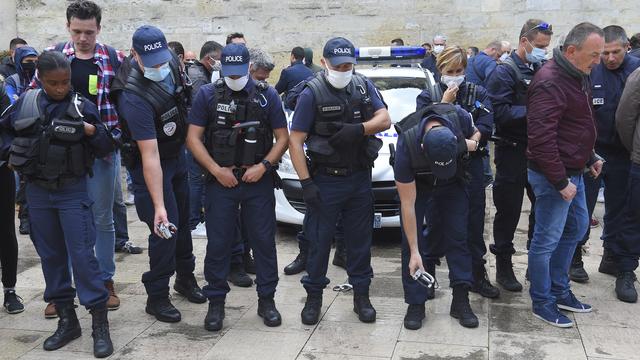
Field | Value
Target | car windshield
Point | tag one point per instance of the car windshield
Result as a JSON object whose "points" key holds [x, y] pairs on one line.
{"points": [[400, 94]]}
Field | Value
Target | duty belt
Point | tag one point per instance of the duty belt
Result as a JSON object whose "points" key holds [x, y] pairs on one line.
{"points": [[337, 171]]}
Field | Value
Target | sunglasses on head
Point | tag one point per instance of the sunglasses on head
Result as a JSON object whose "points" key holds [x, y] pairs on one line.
{"points": [[542, 26]]}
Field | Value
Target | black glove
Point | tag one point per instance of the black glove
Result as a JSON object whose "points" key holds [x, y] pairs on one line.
{"points": [[310, 193], [347, 135]]}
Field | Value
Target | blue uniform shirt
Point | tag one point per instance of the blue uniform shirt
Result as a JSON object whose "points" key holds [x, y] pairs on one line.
{"points": [[305, 113], [479, 68], [483, 121], [402, 169], [139, 114], [607, 86], [429, 63], [291, 76], [205, 101]]}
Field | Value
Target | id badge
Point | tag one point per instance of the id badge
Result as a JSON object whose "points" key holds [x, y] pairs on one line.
{"points": [[93, 84]]}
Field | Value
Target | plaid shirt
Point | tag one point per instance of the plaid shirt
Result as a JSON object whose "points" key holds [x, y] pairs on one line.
{"points": [[105, 78]]}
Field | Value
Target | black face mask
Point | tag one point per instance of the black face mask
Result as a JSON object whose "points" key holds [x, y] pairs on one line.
{"points": [[29, 68]]}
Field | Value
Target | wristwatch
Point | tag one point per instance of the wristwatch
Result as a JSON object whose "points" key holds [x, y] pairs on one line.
{"points": [[267, 164]]}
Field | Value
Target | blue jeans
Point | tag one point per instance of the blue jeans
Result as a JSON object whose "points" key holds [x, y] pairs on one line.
{"points": [[101, 188], [196, 192], [560, 225], [119, 210]]}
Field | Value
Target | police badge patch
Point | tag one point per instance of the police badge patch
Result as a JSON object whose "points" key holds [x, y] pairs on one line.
{"points": [[169, 128]]}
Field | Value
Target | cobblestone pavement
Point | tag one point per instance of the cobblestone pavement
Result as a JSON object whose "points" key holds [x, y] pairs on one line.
{"points": [[507, 328]]}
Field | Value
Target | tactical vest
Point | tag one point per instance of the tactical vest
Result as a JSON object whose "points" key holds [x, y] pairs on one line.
{"points": [[469, 96], [515, 132], [50, 152], [410, 130], [238, 131], [169, 113], [522, 83], [333, 107]]}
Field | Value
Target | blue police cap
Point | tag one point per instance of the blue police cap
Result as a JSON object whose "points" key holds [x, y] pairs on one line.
{"points": [[235, 60], [440, 146], [151, 45], [339, 51]]}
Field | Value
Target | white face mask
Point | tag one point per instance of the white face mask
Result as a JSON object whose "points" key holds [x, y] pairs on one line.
{"points": [[455, 80], [237, 84], [158, 74], [503, 57], [437, 49], [339, 79], [215, 75]]}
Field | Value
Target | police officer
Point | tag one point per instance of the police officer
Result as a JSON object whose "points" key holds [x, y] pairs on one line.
{"points": [[608, 80], [238, 118], [295, 73], [336, 115], [151, 105], [53, 136], [454, 89], [430, 167], [507, 88]]}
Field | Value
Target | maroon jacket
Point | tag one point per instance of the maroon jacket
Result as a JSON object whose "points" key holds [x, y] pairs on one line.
{"points": [[560, 121]]}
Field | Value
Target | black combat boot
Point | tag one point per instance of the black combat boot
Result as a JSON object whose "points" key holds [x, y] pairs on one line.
{"points": [[187, 286], [238, 276], [102, 345], [460, 307], [482, 285], [68, 328], [430, 267], [505, 275], [414, 316], [215, 315], [625, 287], [163, 310], [298, 265], [362, 306], [608, 263], [576, 271], [312, 307], [268, 312], [340, 255]]}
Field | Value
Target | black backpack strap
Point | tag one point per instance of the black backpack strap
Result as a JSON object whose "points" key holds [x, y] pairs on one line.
{"points": [[30, 108], [113, 58], [470, 96], [436, 93], [512, 64], [59, 46]]}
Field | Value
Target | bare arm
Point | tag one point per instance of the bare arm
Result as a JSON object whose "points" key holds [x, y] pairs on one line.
{"points": [[407, 193], [200, 153], [296, 150], [152, 172], [255, 172], [380, 121]]}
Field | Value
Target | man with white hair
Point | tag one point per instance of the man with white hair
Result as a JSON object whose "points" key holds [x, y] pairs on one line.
{"points": [[429, 62]]}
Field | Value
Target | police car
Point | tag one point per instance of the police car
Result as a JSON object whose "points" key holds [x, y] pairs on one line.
{"points": [[399, 78]]}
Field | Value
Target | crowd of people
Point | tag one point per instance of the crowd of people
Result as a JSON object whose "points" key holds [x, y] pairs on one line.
{"points": [[201, 136]]}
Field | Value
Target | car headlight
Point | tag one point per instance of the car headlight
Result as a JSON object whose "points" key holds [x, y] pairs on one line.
{"points": [[286, 166]]}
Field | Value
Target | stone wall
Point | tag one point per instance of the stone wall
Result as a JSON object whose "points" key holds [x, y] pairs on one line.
{"points": [[280, 25]]}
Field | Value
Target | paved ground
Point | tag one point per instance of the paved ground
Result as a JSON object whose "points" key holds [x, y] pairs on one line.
{"points": [[507, 328]]}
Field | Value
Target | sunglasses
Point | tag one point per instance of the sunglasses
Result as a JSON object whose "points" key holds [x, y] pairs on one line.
{"points": [[542, 26]]}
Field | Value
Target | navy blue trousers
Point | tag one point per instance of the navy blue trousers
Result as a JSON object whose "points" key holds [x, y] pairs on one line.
{"points": [[62, 228], [447, 211], [258, 221], [166, 256], [477, 202], [350, 197], [625, 244]]}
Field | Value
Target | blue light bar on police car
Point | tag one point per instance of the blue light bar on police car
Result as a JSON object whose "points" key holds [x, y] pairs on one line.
{"points": [[382, 53]]}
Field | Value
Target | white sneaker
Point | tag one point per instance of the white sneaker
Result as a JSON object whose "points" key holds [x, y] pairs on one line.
{"points": [[200, 231], [601, 195], [129, 200]]}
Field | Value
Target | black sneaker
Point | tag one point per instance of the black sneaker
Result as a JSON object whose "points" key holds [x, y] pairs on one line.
{"points": [[608, 263], [482, 285], [577, 272], [12, 302], [625, 287], [130, 248]]}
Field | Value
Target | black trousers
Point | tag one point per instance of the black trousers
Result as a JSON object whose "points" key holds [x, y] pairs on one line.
{"points": [[508, 189], [8, 241]]}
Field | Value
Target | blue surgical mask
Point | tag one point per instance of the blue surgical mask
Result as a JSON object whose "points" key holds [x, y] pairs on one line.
{"points": [[158, 74], [536, 55]]}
